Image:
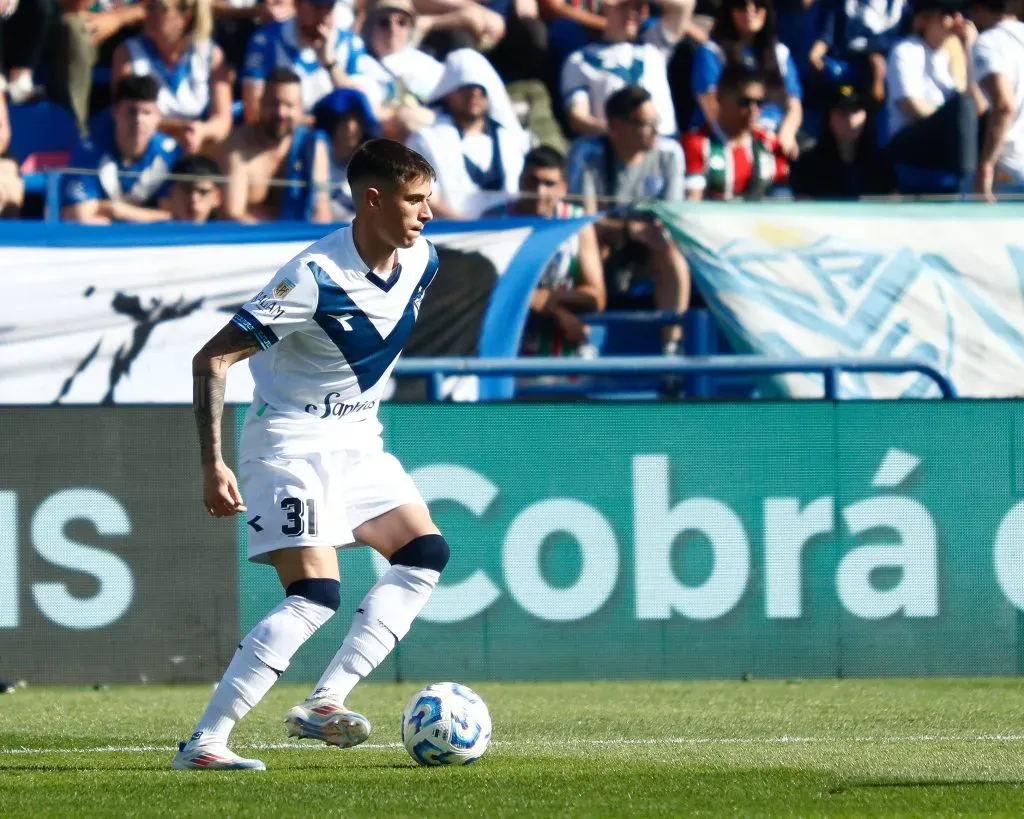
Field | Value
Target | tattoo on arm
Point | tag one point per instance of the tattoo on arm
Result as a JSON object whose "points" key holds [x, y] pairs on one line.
{"points": [[209, 380]]}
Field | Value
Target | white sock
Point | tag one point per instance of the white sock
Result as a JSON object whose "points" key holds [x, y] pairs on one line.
{"points": [[262, 656], [382, 619]]}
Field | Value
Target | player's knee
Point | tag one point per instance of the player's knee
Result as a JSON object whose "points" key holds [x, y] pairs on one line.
{"points": [[425, 552], [323, 590]]}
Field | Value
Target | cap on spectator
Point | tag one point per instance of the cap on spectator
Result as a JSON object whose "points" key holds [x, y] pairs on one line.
{"points": [[845, 98], [377, 6], [341, 102]]}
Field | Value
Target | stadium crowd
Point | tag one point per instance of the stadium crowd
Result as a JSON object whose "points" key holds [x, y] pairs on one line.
{"points": [[248, 110]]}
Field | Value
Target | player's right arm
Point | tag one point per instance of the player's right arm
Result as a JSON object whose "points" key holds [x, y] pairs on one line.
{"points": [[209, 380], [285, 305]]}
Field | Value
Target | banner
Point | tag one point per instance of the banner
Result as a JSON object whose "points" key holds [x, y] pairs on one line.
{"points": [[799, 539], [114, 315], [943, 283], [110, 569]]}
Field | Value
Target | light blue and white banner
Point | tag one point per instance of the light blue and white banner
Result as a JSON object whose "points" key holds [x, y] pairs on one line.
{"points": [[940, 282]]}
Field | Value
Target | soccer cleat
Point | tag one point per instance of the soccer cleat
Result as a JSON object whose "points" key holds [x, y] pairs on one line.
{"points": [[329, 721], [212, 758]]}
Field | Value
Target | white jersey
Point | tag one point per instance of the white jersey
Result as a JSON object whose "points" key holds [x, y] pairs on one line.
{"points": [[184, 88], [1000, 50], [331, 333], [598, 70]]}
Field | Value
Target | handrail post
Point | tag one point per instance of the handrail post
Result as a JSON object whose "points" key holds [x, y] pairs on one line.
{"points": [[52, 206], [831, 383]]}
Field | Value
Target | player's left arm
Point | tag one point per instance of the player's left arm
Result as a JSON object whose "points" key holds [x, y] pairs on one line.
{"points": [[209, 380]]}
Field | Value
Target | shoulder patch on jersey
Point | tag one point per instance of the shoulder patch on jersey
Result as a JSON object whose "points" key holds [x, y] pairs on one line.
{"points": [[283, 288], [168, 144]]}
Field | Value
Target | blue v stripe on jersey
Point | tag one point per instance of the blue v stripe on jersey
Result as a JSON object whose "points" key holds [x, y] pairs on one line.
{"points": [[367, 352]]}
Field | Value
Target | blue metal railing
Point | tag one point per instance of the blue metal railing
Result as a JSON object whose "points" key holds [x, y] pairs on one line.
{"points": [[436, 369]]}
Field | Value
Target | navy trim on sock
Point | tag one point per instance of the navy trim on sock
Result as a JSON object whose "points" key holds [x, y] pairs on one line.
{"points": [[322, 590], [426, 552]]}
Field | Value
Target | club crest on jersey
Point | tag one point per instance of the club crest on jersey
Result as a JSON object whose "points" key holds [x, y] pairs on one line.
{"points": [[283, 288]]}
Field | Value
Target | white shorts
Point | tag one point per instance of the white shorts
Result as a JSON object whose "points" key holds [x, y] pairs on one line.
{"points": [[319, 498]]}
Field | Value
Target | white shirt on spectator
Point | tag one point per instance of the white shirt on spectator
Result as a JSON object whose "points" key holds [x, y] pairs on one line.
{"points": [[918, 72], [416, 70], [598, 70], [1000, 50], [447, 150]]}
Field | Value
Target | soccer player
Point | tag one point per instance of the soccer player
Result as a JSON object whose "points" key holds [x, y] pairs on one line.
{"points": [[323, 336]]}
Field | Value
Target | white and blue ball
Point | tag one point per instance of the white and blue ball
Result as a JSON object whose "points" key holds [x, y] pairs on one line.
{"points": [[446, 724]]}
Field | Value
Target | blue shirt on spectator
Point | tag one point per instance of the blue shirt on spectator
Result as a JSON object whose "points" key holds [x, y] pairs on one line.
{"points": [[860, 26], [708, 64], [297, 200], [141, 182], [276, 45]]}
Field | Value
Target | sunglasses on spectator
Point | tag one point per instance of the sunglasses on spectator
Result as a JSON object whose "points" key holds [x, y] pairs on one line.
{"points": [[749, 102], [396, 20]]}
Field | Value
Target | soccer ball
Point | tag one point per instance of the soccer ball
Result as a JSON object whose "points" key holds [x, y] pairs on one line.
{"points": [[446, 724]]}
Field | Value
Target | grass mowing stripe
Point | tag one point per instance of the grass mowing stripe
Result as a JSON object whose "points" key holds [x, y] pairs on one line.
{"points": [[555, 743]]}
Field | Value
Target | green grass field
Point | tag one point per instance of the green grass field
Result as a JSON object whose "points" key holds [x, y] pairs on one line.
{"points": [[903, 747]]}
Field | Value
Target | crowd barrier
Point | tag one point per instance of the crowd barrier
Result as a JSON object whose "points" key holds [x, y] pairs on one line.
{"points": [[655, 540]]}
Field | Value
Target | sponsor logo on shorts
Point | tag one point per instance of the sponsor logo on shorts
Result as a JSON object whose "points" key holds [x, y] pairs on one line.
{"points": [[332, 408]]}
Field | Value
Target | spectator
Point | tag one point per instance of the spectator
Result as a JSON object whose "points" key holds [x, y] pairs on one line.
{"points": [[195, 83], [309, 44], [845, 163], [745, 35], [278, 148], [5, 120], [573, 281], [633, 164], [999, 71], [22, 37], [475, 144], [85, 28], [12, 188], [672, 25], [405, 76], [449, 25], [198, 198], [344, 121], [933, 125], [235, 22], [592, 74], [522, 53], [851, 41], [734, 157], [128, 165]]}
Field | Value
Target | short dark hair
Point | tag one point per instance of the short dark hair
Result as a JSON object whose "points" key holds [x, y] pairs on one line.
{"points": [[386, 163], [621, 105], [136, 88], [544, 156], [736, 76], [283, 76], [201, 167]]}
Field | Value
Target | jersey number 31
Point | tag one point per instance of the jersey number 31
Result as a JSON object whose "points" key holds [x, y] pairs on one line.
{"points": [[301, 517]]}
